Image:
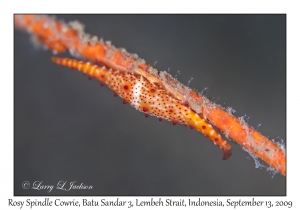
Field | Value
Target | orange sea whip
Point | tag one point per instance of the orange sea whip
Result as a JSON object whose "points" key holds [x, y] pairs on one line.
{"points": [[60, 36]]}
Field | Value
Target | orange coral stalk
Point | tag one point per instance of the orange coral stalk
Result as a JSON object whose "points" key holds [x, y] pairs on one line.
{"points": [[60, 36]]}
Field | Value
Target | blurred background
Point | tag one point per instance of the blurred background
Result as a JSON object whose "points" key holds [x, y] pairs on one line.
{"points": [[68, 128]]}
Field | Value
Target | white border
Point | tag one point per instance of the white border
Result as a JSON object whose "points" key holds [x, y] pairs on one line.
{"points": [[28, 6]]}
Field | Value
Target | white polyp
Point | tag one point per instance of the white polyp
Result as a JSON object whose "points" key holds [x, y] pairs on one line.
{"points": [[189, 82], [45, 25], [76, 25]]}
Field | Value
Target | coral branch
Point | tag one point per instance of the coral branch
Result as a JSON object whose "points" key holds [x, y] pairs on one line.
{"points": [[60, 36]]}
